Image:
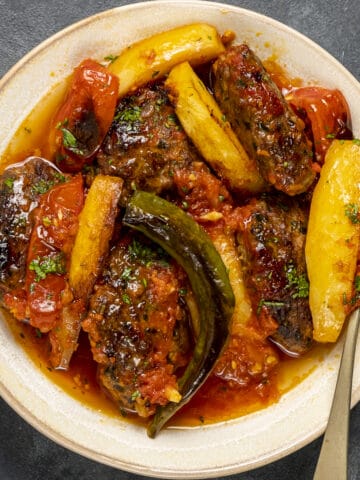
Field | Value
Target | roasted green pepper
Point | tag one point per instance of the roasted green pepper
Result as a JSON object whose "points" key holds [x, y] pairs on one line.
{"points": [[178, 234]]}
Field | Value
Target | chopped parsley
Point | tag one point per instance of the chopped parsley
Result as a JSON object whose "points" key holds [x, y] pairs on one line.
{"points": [[147, 255], [46, 221], [129, 115], [111, 58], [126, 299], [171, 120], [9, 182], [352, 212], [357, 283], [20, 220], [355, 298], [46, 265], [126, 274], [70, 142], [135, 395], [298, 282], [60, 178], [42, 186], [63, 123], [241, 83]]}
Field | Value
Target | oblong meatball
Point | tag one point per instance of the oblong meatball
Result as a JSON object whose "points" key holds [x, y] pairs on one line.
{"points": [[138, 326], [272, 243], [21, 185], [145, 143], [266, 126]]}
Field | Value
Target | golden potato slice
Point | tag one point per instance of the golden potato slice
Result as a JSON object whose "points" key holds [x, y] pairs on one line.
{"points": [[153, 57], [96, 225], [207, 127], [332, 242]]}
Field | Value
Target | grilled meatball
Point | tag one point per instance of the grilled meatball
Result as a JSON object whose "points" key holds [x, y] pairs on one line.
{"points": [[266, 126], [137, 326], [145, 143], [20, 187], [272, 243]]}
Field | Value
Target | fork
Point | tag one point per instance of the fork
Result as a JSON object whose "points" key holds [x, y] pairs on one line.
{"points": [[333, 458]]}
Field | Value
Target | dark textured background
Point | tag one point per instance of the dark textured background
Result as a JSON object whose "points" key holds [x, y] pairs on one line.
{"points": [[335, 25]]}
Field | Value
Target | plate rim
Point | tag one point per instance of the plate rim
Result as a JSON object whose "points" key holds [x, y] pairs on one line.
{"points": [[13, 402]]}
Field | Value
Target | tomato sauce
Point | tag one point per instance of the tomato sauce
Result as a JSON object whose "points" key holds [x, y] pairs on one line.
{"points": [[215, 401]]}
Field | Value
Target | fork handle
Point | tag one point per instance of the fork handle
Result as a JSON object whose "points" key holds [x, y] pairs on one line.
{"points": [[332, 462]]}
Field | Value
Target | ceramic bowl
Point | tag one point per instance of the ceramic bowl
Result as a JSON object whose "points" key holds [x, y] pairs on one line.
{"points": [[208, 451]]}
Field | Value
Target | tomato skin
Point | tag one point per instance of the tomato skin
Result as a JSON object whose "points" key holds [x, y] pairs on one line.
{"points": [[57, 215], [327, 112], [56, 222], [16, 302], [86, 114]]}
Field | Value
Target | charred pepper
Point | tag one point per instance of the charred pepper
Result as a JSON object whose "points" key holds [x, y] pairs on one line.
{"points": [[179, 235]]}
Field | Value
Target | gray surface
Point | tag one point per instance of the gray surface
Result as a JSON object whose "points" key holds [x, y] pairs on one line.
{"points": [[24, 453]]}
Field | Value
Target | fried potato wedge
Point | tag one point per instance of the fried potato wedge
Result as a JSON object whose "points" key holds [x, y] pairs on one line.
{"points": [[332, 242], [207, 127], [153, 57], [96, 226]]}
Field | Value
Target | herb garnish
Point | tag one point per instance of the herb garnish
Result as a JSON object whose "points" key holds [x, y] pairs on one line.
{"points": [[70, 142], [147, 255], [126, 299], [357, 283], [352, 212], [126, 274], [9, 182], [48, 264], [135, 395], [46, 221], [296, 281], [355, 298], [111, 58], [42, 186], [62, 123], [129, 115]]}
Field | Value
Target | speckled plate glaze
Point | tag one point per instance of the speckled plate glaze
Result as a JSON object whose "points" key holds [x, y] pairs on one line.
{"points": [[211, 451]]}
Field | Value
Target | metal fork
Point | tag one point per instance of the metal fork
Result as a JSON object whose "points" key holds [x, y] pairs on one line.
{"points": [[333, 458]]}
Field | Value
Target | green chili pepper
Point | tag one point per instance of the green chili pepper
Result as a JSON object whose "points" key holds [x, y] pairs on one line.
{"points": [[179, 235]]}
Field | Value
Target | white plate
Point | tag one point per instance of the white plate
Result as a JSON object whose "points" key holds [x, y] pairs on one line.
{"points": [[211, 451]]}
